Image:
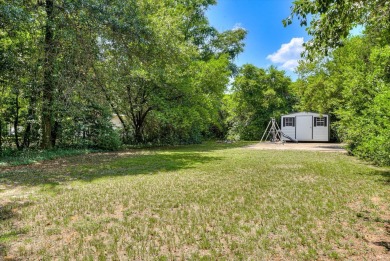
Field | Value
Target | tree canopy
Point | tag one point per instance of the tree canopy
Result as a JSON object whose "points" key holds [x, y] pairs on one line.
{"points": [[67, 66], [345, 76], [330, 21], [258, 95]]}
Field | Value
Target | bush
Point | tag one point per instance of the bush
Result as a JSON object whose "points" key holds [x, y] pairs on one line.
{"points": [[368, 134], [375, 149], [108, 139]]}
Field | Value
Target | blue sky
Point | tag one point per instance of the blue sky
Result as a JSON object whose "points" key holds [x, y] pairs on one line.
{"points": [[268, 42]]}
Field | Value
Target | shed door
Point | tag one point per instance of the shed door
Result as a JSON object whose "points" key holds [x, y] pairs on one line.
{"points": [[304, 128]]}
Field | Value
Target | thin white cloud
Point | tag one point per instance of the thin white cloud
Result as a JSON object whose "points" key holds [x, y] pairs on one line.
{"points": [[237, 26], [288, 54], [290, 65]]}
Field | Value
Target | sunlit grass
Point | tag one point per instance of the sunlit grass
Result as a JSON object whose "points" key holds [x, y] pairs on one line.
{"points": [[211, 201]]}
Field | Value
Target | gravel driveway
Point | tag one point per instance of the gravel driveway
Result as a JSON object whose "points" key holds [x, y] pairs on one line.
{"points": [[325, 147]]}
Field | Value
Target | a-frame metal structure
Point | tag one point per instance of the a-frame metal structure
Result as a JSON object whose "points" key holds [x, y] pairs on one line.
{"points": [[273, 131]]}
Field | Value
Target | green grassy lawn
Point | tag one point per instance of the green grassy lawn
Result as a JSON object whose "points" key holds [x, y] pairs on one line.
{"points": [[210, 201], [24, 157]]}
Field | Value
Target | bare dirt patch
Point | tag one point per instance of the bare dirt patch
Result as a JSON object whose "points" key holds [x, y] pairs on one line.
{"points": [[374, 228], [323, 147]]}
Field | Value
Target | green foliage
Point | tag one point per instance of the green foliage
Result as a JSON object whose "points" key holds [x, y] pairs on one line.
{"points": [[369, 128], [107, 139], [353, 86], [258, 95], [90, 127], [196, 107], [350, 82], [67, 66], [101, 131], [332, 20]]}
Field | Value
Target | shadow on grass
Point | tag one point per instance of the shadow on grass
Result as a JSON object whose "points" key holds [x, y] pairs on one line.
{"points": [[207, 146], [383, 174], [384, 244], [386, 177], [106, 165], [8, 229], [29, 156], [6, 213], [367, 216]]}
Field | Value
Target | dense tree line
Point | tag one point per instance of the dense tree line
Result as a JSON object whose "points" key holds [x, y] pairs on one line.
{"points": [[353, 85], [67, 66], [349, 77], [257, 95]]}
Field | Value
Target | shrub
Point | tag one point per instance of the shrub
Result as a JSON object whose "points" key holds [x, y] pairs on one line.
{"points": [[107, 139]]}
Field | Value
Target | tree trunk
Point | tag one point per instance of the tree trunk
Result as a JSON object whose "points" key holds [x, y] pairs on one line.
{"points": [[16, 122], [1, 136], [138, 137], [30, 115], [48, 81], [55, 133], [138, 126], [27, 131], [139, 122], [26, 136]]}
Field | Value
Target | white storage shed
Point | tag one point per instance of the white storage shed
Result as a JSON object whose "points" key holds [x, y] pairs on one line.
{"points": [[306, 126]]}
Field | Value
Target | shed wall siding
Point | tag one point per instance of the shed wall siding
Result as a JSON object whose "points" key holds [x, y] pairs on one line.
{"points": [[320, 133], [289, 131], [320, 137]]}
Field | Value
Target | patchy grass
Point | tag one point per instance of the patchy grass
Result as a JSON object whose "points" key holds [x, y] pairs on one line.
{"points": [[24, 157], [210, 201]]}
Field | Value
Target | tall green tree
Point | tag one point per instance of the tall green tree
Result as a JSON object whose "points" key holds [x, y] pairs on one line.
{"points": [[259, 95], [352, 86], [348, 77], [19, 59], [65, 65], [156, 82], [64, 40]]}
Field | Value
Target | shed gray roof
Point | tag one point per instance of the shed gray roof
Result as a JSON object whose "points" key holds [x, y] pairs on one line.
{"points": [[304, 113]]}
